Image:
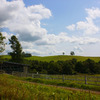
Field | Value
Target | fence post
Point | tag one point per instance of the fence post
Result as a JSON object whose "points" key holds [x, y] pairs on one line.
{"points": [[63, 78], [85, 79], [32, 75]]}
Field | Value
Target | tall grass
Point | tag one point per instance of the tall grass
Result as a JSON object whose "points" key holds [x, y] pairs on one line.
{"points": [[11, 88]]}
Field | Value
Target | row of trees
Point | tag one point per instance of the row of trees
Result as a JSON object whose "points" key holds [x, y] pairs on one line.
{"points": [[60, 67], [71, 53], [65, 67]]}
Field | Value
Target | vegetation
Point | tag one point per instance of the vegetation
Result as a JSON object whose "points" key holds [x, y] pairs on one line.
{"points": [[11, 88], [2, 44], [72, 66], [68, 67], [16, 54], [72, 53], [56, 58], [66, 83], [62, 58]]}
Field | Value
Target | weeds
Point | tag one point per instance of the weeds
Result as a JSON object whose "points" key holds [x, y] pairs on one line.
{"points": [[14, 89]]}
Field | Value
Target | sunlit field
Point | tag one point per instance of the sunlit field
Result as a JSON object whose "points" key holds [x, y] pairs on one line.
{"points": [[56, 58], [12, 88]]}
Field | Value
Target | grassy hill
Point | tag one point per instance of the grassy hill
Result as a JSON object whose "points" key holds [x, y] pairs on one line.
{"points": [[57, 57], [62, 57]]}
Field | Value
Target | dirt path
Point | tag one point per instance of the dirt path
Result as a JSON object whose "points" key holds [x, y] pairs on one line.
{"points": [[67, 88], [74, 89]]}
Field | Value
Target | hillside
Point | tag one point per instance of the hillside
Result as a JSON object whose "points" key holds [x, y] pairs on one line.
{"points": [[13, 88], [62, 57], [57, 57]]}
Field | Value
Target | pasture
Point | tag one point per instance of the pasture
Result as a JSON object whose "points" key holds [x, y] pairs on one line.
{"points": [[90, 82], [12, 88], [56, 58]]}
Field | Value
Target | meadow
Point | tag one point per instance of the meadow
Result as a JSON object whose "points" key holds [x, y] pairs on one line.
{"points": [[13, 88], [56, 58]]}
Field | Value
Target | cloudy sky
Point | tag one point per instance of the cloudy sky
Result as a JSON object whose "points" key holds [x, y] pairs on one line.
{"points": [[50, 27]]}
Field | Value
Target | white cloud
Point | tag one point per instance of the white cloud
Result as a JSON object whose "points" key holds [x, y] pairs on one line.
{"points": [[25, 22], [33, 51], [71, 27], [22, 20], [78, 49], [93, 13], [87, 27]]}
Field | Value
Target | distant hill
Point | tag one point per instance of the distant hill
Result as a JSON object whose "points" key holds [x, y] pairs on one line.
{"points": [[62, 57], [57, 57]]}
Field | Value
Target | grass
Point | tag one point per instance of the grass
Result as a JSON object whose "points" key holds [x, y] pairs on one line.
{"points": [[12, 88], [62, 57], [57, 57], [60, 83]]}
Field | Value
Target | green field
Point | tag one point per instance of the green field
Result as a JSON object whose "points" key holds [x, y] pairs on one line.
{"points": [[57, 57], [12, 88]]}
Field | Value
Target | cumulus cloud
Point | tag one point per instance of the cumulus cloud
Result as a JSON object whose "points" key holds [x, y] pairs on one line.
{"points": [[78, 49], [26, 23], [87, 27], [53, 39], [71, 27], [22, 20]]}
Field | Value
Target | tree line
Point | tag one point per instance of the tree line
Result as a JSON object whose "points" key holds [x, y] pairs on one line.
{"points": [[60, 67], [68, 67]]}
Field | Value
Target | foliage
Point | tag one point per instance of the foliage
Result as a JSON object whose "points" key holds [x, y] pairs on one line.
{"points": [[72, 53], [63, 53], [16, 54], [2, 44], [11, 88], [68, 67], [27, 54]]}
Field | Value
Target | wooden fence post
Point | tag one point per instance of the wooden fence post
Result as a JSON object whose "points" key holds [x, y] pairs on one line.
{"points": [[63, 78], [85, 79], [32, 75]]}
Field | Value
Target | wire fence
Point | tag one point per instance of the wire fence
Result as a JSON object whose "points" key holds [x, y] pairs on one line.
{"points": [[79, 79]]}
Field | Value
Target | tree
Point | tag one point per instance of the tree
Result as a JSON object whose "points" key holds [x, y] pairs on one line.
{"points": [[63, 53], [2, 44], [72, 53], [16, 54]]}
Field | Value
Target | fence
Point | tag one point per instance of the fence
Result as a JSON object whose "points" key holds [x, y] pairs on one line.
{"points": [[79, 79]]}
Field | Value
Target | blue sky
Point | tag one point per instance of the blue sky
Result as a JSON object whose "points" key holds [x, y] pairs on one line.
{"points": [[50, 27], [64, 12]]}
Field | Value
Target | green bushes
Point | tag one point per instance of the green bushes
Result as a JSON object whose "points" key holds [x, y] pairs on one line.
{"points": [[68, 67]]}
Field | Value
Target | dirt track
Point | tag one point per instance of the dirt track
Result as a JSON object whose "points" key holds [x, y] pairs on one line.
{"points": [[68, 88]]}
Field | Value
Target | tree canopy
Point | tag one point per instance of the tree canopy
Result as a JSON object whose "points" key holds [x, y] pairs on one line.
{"points": [[2, 44], [72, 53], [16, 54]]}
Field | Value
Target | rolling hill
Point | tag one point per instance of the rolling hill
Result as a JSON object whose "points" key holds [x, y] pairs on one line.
{"points": [[57, 57]]}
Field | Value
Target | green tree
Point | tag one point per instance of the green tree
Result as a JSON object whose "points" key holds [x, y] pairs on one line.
{"points": [[2, 44], [16, 54], [63, 53], [72, 53]]}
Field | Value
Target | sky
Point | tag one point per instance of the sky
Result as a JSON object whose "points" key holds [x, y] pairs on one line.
{"points": [[51, 27]]}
